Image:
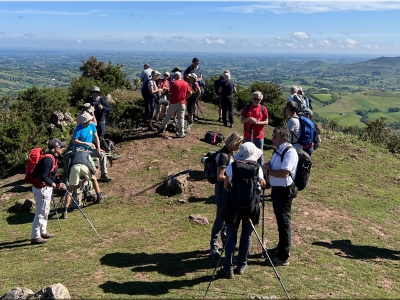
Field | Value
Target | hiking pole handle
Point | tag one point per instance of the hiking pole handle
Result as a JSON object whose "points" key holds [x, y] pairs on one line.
{"points": [[185, 171]]}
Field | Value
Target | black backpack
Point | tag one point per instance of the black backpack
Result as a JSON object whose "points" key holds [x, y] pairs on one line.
{"points": [[107, 145], [303, 170], [213, 137], [245, 188], [210, 166]]}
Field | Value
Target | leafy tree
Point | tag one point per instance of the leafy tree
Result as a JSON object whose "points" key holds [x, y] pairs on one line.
{"points": [[210, 95]]}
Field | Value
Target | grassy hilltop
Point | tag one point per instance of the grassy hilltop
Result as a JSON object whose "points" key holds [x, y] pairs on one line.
{"points": [[345, 228]]}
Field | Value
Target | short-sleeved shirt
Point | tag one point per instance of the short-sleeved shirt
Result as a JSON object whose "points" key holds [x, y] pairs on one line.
{"points": [[224, 158], [179, 89], [227, 88], [146, 74], [84, 134], [294, 126], [254, 112], [289, 163]]}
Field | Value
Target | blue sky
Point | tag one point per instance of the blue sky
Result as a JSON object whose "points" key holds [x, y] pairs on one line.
{"points": [[352, 27]]}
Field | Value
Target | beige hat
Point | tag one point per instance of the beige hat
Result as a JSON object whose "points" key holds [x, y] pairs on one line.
{"points": [[86, 117], [248, 151]]}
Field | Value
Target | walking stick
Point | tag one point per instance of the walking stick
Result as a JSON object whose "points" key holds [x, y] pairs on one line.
{"points": [[269, 258], [84, 214], [262, 229], [252, 133], [55, 208]]}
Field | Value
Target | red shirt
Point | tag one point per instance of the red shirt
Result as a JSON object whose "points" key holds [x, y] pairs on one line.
{"points": [[179, 88], [254, 112]]}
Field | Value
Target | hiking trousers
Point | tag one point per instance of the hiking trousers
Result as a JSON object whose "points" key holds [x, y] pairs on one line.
{"points": [[180, 109], [42, 200], [282, 198], [244, 245], [221, 197]]}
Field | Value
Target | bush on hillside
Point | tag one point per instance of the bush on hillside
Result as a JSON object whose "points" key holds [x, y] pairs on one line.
{"points": [[210, 96]]}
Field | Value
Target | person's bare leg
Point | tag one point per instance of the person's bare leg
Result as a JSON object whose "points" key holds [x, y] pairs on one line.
{"points": [[71, 189]]}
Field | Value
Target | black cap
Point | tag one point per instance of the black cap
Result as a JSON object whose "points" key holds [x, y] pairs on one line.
{"points": [[195, 60]]}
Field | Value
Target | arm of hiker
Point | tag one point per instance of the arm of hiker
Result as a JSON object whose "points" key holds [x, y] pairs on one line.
{"points": [[227, 185], [245, 120], [80, 143], [97, 141], [188, 93], [106, 106], [221, 174], [220, 90], [234, 89], [279, 173]]}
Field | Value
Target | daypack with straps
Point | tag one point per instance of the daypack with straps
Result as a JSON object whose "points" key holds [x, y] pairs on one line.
{"points": [[213, 137], [307, 131], [210, 166], [303, 169], [301, 102], [34, 157], [107, 145], [245, 188]]}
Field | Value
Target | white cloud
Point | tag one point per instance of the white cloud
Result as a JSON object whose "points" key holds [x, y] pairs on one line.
{"points": [[300, 35], [47, 12], [351, 43], [291, 45], [214, 40], [31, 35], [78, 41], [323, 43]]}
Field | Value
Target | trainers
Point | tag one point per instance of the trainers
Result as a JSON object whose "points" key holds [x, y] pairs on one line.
{"points": [[101, 198], [38, 241], [105, 177], [225, 273], [240, 270], [64, 215], [47, 236], [214, 254], [276, 261]]}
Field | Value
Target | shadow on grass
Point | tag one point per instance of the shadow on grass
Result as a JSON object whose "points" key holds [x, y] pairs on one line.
{"points": [[15, 244], [348, 250], [196, 175], [209, 200], [20, 217], [173, 265]]}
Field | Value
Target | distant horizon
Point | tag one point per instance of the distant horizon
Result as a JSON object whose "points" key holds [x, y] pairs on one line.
{"points": [[315, 27]]}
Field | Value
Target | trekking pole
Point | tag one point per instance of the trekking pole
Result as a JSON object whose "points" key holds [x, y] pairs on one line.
{"points": [[252, 133], [55, 208], [262, 229], [269, 258], [199, 108], [80, 209], [215, 269]]}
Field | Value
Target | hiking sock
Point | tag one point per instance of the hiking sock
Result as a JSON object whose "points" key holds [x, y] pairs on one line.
{"points": [[98, 196], [65, 209]]}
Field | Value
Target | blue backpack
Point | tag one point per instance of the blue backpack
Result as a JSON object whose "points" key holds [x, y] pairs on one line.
{"points": [[307, 131]]}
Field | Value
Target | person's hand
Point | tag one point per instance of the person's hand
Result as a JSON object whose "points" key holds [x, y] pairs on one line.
{"points": [[62, 186], [101, 150], [100, 106], [92, 146]]}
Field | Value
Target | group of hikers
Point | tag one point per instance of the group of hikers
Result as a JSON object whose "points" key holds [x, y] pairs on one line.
{"points": [[241, 170], [78, 163]]}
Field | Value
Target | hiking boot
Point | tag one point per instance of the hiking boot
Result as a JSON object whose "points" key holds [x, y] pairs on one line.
{"points": [[273, 251], [276, 261], [161, 130], [47, 236], [225, 273], [38, 241], [214, 254], [64, 215], [105, 177], [240, 270], [151, 128], [101, 198], [177, 135]]}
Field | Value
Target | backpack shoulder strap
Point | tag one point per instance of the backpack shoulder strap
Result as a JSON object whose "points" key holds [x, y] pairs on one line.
{"points": [[247, 108], [283, 152]]}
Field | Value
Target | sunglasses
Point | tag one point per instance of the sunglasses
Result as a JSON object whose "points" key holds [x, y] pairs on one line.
{"points": [[256, 99]]}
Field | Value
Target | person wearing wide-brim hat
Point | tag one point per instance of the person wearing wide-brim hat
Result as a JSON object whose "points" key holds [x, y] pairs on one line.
{"points": [[232, 217], [86, 107], [101, 108]]}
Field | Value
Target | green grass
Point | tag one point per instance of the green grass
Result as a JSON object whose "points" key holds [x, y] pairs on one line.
{"points": [[323, 97], [345, 230]]}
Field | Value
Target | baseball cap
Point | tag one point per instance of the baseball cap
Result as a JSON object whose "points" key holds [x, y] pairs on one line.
{"points": [[54, 143], [166, 73], [155, 72], [96, 89], [193, 75]]}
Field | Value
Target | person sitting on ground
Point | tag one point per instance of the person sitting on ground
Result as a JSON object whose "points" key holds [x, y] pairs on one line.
{"points": [[281, 175], [247, 152], [84, 137], [81, 164], [226, 91], [45, 172], [101, 108], [180, 91], [224, 158], [196, 93], [88, 108]]}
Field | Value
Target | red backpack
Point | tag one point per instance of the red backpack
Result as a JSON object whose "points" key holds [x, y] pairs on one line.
{"points": [[35, 155]]}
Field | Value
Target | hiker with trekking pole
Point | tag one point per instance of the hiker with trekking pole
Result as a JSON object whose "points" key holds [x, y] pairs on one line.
{"points": [[254, 116]]}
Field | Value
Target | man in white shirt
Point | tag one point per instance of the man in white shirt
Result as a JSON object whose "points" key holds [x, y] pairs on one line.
{"points": [[281, 172], [293, 124]]}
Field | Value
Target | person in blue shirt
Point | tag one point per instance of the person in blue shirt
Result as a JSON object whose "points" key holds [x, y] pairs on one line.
{"points": [[85, 135]]}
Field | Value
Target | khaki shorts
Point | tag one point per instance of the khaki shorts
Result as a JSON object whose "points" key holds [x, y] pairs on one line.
{"points": [[77, 171]]}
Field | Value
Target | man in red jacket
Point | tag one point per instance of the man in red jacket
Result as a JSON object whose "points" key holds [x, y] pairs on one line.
{"points": [[180, 91]]}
